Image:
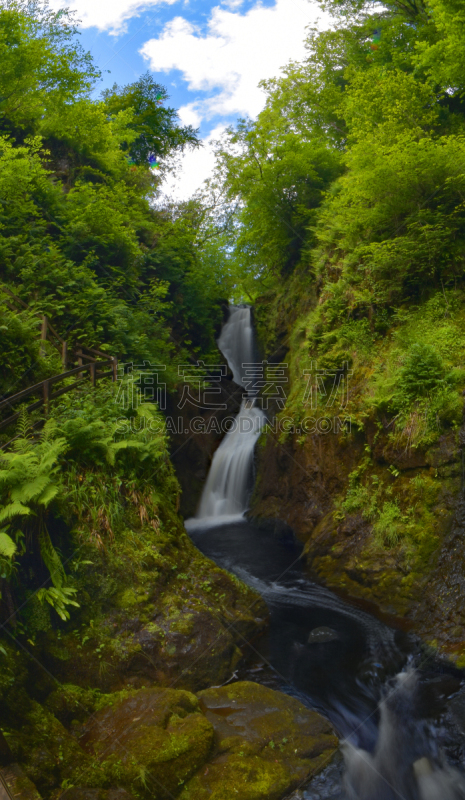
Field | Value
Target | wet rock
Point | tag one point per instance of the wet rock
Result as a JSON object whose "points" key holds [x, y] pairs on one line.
{"points": [[195, 435], [298, 484], [321, 635], [266, 744], [151, 741], [416, 579]]}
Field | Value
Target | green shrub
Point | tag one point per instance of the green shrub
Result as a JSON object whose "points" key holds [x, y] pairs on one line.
{"points": [[388, 526], [423, 372]]}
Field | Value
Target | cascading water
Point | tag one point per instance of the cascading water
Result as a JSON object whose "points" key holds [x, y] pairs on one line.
{"points": [[236, 341], [225, 495], [332, 656]]}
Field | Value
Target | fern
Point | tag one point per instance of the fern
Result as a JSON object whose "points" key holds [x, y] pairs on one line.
{"points": [[29, 482], [51, 559], [7, 545], [24, 425], [115, 447], [59, 598], [13, 510]]}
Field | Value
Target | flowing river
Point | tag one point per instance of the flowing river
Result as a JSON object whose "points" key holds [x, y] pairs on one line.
{"points": [[400, 714]]}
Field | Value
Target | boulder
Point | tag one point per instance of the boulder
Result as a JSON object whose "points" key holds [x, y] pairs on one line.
{"points": [[151, 741], [266, 744]]}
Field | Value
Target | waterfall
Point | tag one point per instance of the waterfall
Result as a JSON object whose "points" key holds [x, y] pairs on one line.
{"points": [[332, 656], [226, 491], [236, 341]]}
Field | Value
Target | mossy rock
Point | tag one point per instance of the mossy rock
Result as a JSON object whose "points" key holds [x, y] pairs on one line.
{"points": [[45, 750], [150, 742], [266, 744], [158, 611]]}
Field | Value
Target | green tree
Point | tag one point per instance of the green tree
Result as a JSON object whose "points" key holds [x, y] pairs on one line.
{"points": [[156, 128], [43, 65]]}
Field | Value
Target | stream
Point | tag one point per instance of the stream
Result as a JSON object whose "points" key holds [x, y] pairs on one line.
{"points": [[399, 712]]}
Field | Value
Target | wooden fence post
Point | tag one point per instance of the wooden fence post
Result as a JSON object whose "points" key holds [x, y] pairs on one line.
{"points": [[79, 355], [46, 391], [43, 335], [93, 373], [64, 355], [114, 377]]}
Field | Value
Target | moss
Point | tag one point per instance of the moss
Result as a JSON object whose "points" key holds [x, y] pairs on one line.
{"points": [[45, 750], [152, 758], [153, 604], [267, 744], [460, 661], [248, 778]]}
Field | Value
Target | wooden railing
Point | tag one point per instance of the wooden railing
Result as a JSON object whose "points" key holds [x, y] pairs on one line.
{"points": [[90, 360], [45, 388], [47, 331]]}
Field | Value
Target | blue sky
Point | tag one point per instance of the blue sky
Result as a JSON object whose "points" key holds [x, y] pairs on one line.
{"points": [[209, 55]]}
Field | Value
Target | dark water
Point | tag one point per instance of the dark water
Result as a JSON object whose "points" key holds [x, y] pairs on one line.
{"points": [[399, 732]]}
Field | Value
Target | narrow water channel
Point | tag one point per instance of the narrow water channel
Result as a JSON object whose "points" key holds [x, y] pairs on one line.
{"points": [[400, 713]]}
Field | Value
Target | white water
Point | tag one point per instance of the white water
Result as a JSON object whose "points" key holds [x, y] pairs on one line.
{"points": [[236, 341], [226, 491]]}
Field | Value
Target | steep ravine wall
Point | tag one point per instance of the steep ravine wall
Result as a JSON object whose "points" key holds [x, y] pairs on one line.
{"points": [[301, 480], [379, 507]]}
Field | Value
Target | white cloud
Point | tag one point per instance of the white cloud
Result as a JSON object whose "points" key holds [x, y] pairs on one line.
{"points": [[189, 115], [195, 167], [107, 16], [232, 3], [236, 52]]}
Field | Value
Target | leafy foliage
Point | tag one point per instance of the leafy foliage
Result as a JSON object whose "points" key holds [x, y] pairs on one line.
{"points": [[81, 238], [155, 130], [90, 460], [422, 373]]}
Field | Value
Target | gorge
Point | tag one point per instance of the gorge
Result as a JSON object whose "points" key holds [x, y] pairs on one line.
{"points": [[232, 431], [334, 657]]}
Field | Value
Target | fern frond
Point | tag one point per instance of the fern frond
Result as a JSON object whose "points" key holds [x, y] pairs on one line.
{"points": [[30, 490], [49, 430], [14, 510], [51, 559], [51, 452], [49, 493], [58, 599], [24, 426], [7, 545]]}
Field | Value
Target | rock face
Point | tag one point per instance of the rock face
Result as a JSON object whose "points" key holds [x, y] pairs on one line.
{"points": [[297, 483], [156, 611], [421, 583], [196, 432], [266, 744]]}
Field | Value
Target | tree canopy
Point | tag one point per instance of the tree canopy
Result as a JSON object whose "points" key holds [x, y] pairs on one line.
{"points": [[82, 238]]}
